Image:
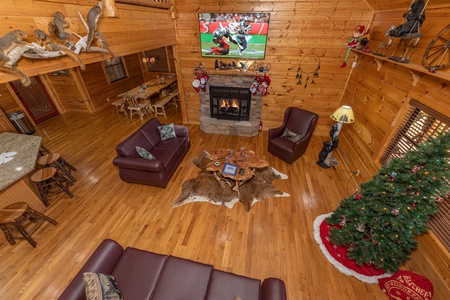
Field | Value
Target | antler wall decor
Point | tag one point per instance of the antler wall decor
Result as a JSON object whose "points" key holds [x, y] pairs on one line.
{"points": [[13, 45]]}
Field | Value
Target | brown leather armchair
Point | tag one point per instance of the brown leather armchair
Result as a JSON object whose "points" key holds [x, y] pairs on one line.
{"points": [[299, 121]]}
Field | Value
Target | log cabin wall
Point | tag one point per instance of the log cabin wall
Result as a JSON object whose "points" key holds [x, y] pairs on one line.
{"points": [[296, 28], [379, 99], [134, 30], [100, 90]]}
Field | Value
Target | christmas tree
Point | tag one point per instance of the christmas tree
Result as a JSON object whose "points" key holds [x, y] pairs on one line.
{"points": [[378, 223]]}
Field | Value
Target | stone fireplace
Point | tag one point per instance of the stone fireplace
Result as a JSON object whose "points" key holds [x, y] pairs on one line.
{"points": [[227, 107]]}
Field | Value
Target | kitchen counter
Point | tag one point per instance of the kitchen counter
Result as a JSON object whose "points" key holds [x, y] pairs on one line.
{"points": [[27, 148]]}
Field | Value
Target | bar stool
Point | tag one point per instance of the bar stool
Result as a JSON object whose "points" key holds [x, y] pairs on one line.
{"points": [[47, 179], [15, 215], [55, 160]]}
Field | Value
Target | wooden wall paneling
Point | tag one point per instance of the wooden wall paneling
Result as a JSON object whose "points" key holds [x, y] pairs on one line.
{"points": [[136, 29], [5, 124], [150, 3], [51, 91], [180, 85], [402, 5], [436, 20], [296, 28], [19, 103], [66, 90], [98, 87], [145, 74], [8, 102]]}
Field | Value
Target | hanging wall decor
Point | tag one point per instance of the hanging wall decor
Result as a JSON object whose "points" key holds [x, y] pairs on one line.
{"points": [[309, 65], [13, 45]]}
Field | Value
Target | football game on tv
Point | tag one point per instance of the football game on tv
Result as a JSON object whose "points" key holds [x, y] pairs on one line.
{"points": [[234, 35]]}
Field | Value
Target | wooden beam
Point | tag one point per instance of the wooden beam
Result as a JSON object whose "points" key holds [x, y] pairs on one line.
{"points": [[110, 9], [148, 3]]}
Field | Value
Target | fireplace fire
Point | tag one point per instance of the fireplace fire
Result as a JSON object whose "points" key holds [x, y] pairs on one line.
{"points": [[230, 103]]}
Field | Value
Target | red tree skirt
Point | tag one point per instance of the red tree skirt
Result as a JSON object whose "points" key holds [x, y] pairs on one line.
{"points": [[337, 255]]}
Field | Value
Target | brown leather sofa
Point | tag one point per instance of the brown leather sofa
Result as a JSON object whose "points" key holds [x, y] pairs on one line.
{"points": [[168, 154], [143, 275], [299, 121]]}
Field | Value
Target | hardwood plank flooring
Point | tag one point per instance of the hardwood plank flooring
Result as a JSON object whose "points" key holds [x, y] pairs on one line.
{"points": [[274, 239]]}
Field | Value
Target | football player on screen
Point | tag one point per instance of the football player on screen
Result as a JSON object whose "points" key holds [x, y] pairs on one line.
{"points": [[241, 37], [221, 38]]}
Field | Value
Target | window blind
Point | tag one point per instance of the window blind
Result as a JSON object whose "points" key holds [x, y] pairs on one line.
{"points": [[419, 124]]}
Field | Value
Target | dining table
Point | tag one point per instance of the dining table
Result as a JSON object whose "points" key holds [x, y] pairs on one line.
{"points": [[152, 87]]}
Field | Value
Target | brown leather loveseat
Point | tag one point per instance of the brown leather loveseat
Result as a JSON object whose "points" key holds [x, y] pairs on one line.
{"points": [[168, 155], [142, 275]]}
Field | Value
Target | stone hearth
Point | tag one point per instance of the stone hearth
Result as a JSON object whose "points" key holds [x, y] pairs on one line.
{"points": [[230, 127]]}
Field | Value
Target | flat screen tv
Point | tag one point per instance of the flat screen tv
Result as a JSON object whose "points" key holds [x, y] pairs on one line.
{"points": [[234, 35]]}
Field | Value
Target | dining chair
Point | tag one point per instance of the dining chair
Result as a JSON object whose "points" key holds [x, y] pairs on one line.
{"points": [[136, 107]]}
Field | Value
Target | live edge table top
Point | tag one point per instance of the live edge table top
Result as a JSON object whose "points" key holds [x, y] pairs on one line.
{"points": [[247, 163], [27, 148]]}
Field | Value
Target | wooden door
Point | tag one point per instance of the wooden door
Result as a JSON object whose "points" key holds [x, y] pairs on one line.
{"points": [[35, 99]]}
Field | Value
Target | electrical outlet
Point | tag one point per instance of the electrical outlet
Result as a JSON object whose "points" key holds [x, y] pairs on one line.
{"points": [[357, 172]]}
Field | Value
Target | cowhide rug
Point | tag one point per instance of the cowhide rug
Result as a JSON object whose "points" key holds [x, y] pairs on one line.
{"points": [[206, 188]]}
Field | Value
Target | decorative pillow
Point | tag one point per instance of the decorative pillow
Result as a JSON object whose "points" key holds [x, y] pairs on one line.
{"points": [[167, 131], [405, 285], [101, 287], [291, 136], [144, 153]]}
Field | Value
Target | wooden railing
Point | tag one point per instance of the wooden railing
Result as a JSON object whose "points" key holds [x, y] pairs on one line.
{"points": [[148, 3]]}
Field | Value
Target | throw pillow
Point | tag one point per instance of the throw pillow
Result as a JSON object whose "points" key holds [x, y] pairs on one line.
{"points": [[101, 287], [144, 153], [167, 131], [291, 136]]}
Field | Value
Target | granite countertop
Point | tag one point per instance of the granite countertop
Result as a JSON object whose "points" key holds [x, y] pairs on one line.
{"points": [[27, 148]]}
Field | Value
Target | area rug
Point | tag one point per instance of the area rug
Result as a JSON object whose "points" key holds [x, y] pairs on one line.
{"points": [[337, 255], [206, 188]]}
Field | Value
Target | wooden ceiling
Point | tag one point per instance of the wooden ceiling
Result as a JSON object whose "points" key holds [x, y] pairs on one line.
{"points": [[378, 5]]}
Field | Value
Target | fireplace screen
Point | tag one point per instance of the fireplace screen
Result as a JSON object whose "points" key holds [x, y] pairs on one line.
{"points": [[230, 103]]}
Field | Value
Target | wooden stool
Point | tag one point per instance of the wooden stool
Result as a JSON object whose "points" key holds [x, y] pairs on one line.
{"points": [[120, 106], [46, 179], [55, 160], [43, 150], [14, 216]]}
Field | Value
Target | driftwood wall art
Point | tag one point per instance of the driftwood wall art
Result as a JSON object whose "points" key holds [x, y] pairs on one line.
{"points": [[13, 46]]}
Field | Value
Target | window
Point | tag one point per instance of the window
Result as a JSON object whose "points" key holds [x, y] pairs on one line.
{"points": [[115, 69], [419, 124]]}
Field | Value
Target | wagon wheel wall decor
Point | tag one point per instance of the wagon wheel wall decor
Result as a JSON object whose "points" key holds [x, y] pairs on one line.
{"points": [[309, 65], [437, 54]]}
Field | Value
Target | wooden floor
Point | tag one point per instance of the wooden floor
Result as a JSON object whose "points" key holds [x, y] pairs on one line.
{"points": [[274, 239]]}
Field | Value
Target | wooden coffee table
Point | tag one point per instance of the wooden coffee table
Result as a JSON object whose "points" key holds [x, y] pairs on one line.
{"points": [[244, 161]]}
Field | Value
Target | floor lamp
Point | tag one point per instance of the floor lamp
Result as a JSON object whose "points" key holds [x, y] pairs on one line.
{"points": [[343, 114]]}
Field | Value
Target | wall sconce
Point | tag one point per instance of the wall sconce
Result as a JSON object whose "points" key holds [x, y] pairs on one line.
{"points": [[149, 61], [343, 114]]}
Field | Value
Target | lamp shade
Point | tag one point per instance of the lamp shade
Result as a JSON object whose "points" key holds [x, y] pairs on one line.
{"points": [[343, 114]]}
